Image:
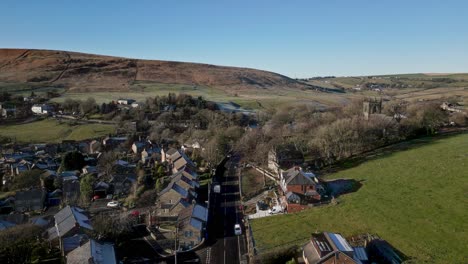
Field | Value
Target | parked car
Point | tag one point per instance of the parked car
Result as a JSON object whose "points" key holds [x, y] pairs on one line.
{"points": [[113, 204], [217, 188], [237, 230], [276, 210]]}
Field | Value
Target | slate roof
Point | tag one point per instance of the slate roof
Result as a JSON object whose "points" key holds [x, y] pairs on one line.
{"points": [[171, 151], [194, 215], [180, 163], [196, 223], [173, 186], [5, 224], [180, 176], [66, 219], [70, 243], [92, 252], [189, 173], [298, 177], [329, 245]]}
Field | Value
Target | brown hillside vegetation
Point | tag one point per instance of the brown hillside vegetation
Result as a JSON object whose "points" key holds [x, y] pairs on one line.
{"points": [[87, 72]]}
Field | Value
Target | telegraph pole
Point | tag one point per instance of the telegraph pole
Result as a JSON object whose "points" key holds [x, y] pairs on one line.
{"points": [[175, 241]]}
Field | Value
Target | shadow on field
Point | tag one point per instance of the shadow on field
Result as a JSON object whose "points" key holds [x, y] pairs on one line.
{"points": [[343, 186]]}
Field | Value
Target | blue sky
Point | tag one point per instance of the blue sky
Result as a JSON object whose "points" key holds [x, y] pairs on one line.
{"points": [[295, 38]]}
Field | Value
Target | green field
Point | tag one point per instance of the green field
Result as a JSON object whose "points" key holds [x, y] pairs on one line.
{"points": [[52, 131], [251, 99], [416, 199]]}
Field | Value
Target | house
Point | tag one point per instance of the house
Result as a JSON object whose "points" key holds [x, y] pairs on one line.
{"points": [[101, 189], [92, 252], [382, 252], [139, 146], [125, 101], [332, 248], [170, 212], [67, 174], [192, 223], [166, 154], [94, 146], [71, 190], [122, 183], [8, 112], [42, 109], [185, 180], [17, 168], [182, 162], [149, 153], [68, 222], [45, 164], [7, 205], [171, 195], [172, 155], [54, 198], [300, 187], [112, 142], [30, 200], [89, 169]]}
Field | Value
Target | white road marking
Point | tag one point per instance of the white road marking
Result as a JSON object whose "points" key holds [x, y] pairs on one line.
{"points": [[208, 255]]}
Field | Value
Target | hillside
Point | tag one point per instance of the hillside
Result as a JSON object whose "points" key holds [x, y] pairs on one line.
{"points": [[81, 72]]}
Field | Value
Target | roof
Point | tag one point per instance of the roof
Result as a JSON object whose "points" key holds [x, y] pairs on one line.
{"points": [[5, 224], [340, 242], [181, 176], [295, 176], [173, 186], [200, 212], [175, 156], [39, 221], [180, 163], [92, 252], [67, 218], [324, 246], [360, 254], [171, 151], [29, 194], [194, 215], [196, 223], [70, 243]]}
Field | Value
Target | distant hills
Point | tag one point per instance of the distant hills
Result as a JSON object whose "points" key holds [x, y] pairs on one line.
{"points": [[95, 73]]}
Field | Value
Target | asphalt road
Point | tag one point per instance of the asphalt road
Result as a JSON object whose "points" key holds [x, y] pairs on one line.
{"points": [[222, 245], [226, 246]]}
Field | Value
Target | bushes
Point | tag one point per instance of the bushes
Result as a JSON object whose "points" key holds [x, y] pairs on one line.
{"points": [[20, 244], [278, 255]]}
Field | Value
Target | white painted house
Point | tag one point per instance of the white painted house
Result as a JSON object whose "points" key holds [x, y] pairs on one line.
{"points": [[42, 109]]}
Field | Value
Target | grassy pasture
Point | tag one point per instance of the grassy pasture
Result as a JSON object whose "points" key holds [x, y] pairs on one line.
{"points": [[416, 199], [53, 131]]}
